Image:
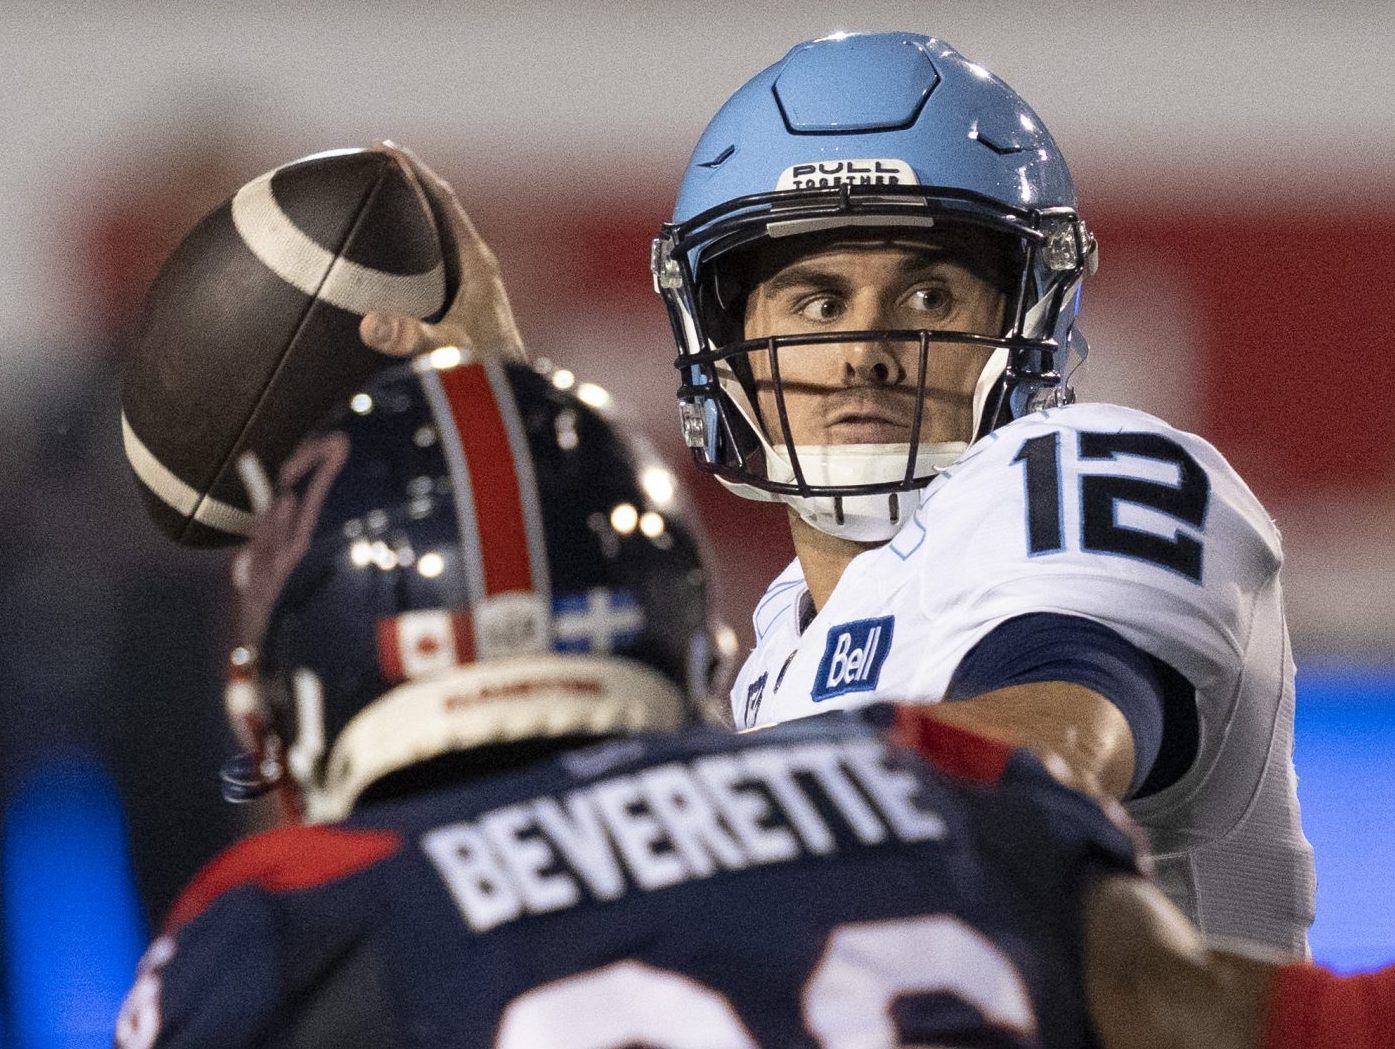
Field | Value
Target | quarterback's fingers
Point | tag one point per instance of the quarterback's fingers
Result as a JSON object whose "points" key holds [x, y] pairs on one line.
{"points": [[482, 303], [401, 335], [481, 306], [474, 251]]}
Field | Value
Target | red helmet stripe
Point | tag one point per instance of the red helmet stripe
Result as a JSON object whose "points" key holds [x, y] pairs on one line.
{"points": [[503, 527], [529, 498]]}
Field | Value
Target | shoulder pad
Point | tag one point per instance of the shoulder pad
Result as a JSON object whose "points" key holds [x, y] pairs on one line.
{"points": [[212, 985], [217, 975], [1097, 511]]}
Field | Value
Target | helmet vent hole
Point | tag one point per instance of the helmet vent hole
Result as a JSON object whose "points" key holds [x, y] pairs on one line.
{"points": [[1003, 148]]}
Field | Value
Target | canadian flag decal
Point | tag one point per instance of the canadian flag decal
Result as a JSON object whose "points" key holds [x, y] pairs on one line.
{"points": [[414, 644]]}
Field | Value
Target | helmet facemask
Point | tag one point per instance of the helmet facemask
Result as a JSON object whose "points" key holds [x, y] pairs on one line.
{"points": [[746, 402]]}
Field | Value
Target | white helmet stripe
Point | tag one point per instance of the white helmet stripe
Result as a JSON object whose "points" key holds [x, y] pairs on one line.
{"points": [[471, 558]]}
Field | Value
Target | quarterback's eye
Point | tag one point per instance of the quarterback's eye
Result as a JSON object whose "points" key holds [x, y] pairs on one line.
{"points": [[821, 308], [935, 300]]}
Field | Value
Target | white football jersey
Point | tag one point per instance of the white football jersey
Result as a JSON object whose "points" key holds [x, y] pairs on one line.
{"points": [[1103, 512]]}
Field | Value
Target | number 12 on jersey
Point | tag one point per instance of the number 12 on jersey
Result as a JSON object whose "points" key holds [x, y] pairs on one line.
{"points": [[1101, 495]]}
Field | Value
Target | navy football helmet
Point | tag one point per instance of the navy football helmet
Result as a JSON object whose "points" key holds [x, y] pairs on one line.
{"points": [[468, 557], [893, 134]]}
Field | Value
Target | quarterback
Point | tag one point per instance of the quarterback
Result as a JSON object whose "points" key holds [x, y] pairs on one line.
{"points": [[874, 272]]}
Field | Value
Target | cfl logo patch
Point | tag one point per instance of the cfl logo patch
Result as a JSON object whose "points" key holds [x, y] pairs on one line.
{"points": [[852, 659]]}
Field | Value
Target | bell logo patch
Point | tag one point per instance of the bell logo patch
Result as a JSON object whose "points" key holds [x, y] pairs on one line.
{"points": [[852, 659]]}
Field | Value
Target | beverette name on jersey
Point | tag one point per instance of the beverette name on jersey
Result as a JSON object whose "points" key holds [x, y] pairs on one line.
{"points": [[677, 822]]}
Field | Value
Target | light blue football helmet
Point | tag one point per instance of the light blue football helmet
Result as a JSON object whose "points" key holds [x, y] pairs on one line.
{"points": [[891, 132]]}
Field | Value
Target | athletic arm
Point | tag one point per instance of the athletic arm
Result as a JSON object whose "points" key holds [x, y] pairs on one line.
{"points": [[1152, 984], [1081, 737], [1072, 690]]}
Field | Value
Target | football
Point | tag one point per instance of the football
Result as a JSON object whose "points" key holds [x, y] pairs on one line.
{"points": [[250, 332]]}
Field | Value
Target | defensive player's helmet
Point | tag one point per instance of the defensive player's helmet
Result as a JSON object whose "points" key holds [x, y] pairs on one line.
{"points": [[469, 557], [887, 133]]}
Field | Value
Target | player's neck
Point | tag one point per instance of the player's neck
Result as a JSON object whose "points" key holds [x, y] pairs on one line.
{"points": [[822, 557]]}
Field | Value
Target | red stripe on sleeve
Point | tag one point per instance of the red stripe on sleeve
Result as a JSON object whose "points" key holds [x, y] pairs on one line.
{"points": [[498, 500], [957, 751], [1313, 1008], [281, 861]]}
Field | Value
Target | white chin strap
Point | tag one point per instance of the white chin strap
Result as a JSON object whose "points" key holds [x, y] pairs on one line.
{"points": [[861, 518]]}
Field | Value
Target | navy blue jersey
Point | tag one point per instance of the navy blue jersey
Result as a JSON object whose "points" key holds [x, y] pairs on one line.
{"points": [[816, 884]]}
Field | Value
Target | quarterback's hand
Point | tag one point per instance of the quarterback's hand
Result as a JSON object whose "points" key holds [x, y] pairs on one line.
{"points": [[480, 317]]}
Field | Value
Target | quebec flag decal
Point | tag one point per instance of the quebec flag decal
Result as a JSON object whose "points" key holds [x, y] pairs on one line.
{"points": [[599, 620], [852, 659]]}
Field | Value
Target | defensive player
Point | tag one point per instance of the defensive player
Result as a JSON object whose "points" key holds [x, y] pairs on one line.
{"points": [[473, 643], [874, 273]]}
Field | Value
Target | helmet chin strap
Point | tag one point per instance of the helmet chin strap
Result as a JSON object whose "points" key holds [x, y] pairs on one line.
{"points": [[860, 518]]}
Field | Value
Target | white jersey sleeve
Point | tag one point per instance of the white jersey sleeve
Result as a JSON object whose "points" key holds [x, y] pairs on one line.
{"points": [[1106, 513], [1102, 512]]}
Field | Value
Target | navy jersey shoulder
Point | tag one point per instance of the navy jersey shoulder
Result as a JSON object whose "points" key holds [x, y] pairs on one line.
{"points": [[776, 886], [231, 954]]}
